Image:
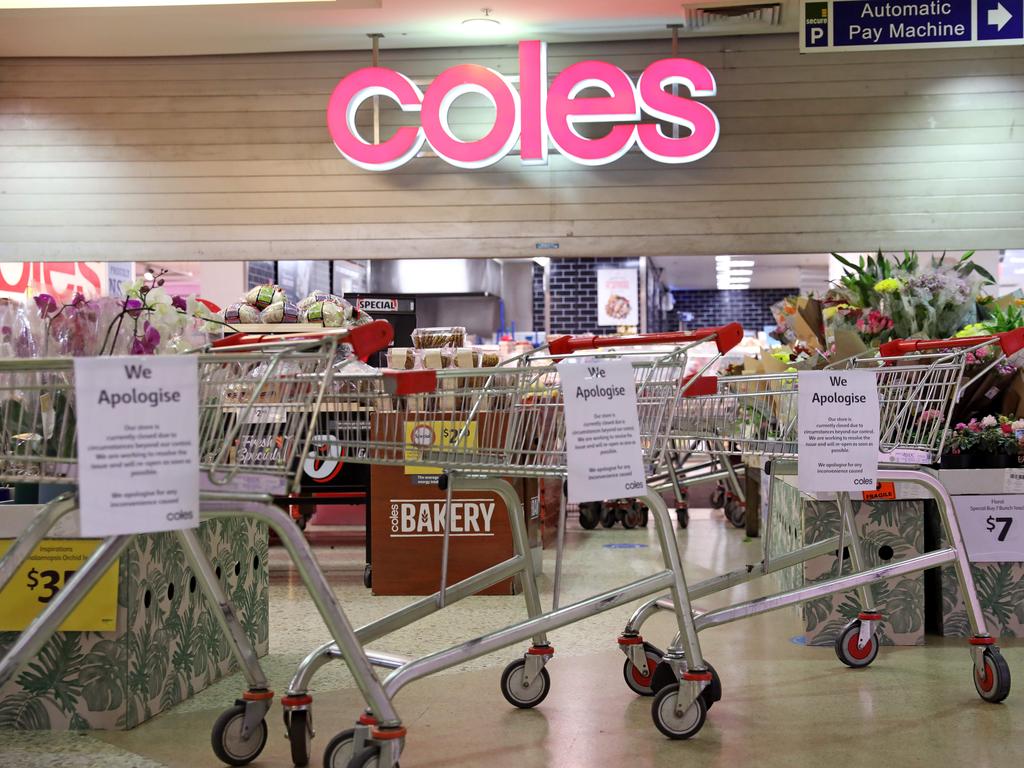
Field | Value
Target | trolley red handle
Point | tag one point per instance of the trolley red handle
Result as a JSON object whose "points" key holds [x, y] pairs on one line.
{"points": [[365, 339], [725, 336], [1011, 342]]}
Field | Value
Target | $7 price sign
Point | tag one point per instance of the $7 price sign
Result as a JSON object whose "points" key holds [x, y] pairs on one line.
{"points": [[990, 527], [1003, 522], [49, 581]]}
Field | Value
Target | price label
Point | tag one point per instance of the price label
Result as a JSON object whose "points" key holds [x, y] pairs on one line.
{"points": [[424, 435], [42, 577], [993, 527]]}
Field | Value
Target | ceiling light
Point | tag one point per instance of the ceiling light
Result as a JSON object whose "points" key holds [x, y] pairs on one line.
{"points": [[741, 272], [742, 262], [482, 25]]}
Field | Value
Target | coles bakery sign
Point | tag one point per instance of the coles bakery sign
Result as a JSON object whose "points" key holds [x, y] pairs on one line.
{"points": [[534, 115]]}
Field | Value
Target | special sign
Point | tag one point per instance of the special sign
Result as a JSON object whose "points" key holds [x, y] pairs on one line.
{"points": [[535, 115]]}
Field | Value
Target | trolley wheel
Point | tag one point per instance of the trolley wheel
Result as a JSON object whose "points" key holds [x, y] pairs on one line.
{"points": [[339, 751], [632, 516], [645, 515], [368, 575], [717, 500], [226, 739], [519, 695], [368, 758], [683, 517], [608, 516], [300, 736], [663, 712], [995, 685], [639, 683], [589, 516], [713, 691], [847, 650], [736, 513]]}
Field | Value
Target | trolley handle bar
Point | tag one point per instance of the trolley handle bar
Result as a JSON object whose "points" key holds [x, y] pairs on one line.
{"points": [[725, 337], [365, 339], [418, 382], [1011, 342]]}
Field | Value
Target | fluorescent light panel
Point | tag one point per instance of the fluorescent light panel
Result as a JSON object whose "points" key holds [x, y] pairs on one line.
{"points": [[36, 5]]}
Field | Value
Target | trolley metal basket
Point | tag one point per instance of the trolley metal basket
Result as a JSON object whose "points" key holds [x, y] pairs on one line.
{"points": [[918, 383], [501, 422], [258, 398]]}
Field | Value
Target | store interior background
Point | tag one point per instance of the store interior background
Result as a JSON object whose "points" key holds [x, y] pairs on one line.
{"points": [[496, 298]]}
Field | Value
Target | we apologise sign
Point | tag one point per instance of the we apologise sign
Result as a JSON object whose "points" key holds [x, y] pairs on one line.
{"points": [[536, 115]]}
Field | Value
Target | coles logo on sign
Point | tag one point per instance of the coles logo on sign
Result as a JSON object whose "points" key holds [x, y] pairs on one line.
{"points": [[533, 115]]}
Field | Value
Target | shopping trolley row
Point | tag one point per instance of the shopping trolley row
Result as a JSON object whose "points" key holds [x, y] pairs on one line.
{"points": [[506, 421]]}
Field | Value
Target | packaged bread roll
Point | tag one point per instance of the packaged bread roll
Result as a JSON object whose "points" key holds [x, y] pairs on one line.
{"points": [[262, 296], [325, 313], [282, 312], [241, 313]]}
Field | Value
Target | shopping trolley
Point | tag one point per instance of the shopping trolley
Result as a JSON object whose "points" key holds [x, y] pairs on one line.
{"points": [[253, 390], [758, 415], [505, 422], [692, 462]]}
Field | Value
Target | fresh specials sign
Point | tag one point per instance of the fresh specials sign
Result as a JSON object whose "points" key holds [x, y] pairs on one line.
{"points": [[536, 116], [889, 24]]}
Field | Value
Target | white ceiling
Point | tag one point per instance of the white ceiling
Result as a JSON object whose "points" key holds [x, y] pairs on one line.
{"points": [[337, 25], [778, 270]]}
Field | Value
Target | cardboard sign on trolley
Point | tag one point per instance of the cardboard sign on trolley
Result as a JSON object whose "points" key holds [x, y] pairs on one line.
{"points": [[138, 444], [838, 422], [602, 430], [992, 527]]}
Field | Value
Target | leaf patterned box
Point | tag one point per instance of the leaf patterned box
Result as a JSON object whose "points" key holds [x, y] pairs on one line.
{"points": [[167, 646], [890, 530]]}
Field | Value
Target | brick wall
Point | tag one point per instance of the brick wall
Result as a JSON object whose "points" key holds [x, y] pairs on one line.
{"points": [[573, 294], [259, 273], [751, 308]]}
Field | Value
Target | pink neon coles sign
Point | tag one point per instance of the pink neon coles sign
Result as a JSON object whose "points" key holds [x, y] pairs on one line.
{"points": [[534, 115]]}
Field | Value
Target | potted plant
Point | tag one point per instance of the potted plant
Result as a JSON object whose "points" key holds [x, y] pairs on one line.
{"points": [[961, 442]]}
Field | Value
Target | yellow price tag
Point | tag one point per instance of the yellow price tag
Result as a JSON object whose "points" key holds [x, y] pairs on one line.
{"points": [[44, 574], [427, 434]]}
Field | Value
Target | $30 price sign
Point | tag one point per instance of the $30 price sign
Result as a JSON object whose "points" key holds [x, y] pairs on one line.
{"points": [[41, 578]]}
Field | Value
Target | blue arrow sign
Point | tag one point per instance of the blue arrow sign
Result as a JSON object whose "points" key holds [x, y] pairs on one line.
{"points": [[1000, 19], [886, 24]]}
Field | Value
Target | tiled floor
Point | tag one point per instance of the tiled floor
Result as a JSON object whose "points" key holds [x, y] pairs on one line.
{"points": [[784, 704]]}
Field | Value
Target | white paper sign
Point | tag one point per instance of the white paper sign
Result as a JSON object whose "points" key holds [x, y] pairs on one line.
{"points": [[602, 430], [992, 527], [617, 297], [838, 421], [138, 443]]}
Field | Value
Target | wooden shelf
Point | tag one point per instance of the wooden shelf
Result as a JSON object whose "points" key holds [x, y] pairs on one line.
{"points": [[279, 327]]}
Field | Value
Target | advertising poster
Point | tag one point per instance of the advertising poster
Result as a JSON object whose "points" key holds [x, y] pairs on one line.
{"points": [[618, 299]]}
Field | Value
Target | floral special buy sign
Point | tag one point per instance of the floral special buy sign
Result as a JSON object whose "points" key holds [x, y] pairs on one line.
{"points": [[138, 444]]}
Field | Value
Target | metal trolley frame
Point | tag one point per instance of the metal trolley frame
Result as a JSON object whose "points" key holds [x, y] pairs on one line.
{"points": [[258, 388], [758, 414], [506, 421]]}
